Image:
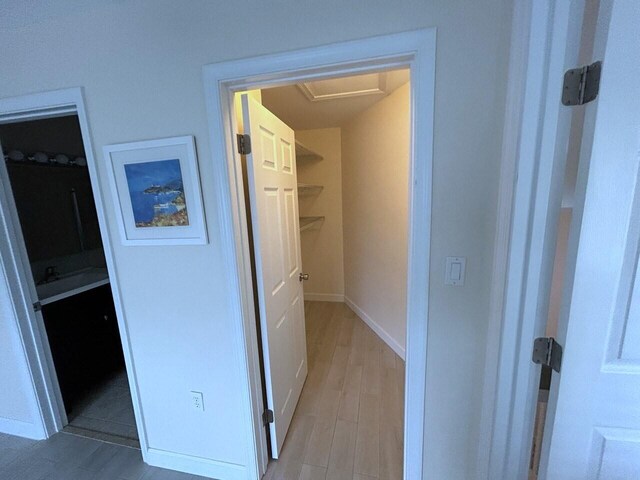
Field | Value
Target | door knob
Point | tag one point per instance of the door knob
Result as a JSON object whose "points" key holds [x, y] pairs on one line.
{"points": [[303, 276]]}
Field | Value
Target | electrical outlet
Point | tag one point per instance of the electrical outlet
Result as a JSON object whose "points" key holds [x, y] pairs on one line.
{"points": [[197, 402]]}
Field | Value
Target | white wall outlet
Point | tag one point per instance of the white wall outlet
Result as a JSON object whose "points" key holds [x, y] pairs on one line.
{"points": [[455, 271], [197, 402]]}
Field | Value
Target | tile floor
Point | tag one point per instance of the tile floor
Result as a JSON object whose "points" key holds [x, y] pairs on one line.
{"points": [[349, 422], [69, 457], [107, 409]]}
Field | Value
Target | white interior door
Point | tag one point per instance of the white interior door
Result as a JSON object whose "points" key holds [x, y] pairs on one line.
{"points": [[595, 433], [273, 190]]}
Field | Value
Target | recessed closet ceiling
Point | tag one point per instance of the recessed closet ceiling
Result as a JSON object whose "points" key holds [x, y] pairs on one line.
{"points": [[330, 103]]}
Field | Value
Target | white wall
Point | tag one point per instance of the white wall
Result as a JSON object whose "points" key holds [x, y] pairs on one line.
{"points": [[375, 184], [322, 247], [140, 63]]}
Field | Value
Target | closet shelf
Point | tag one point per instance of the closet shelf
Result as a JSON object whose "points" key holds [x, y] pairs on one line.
{"points": [[306, 189], [309, 222], [305, 152]]}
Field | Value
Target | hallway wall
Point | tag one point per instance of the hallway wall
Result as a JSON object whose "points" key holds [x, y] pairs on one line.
{"points": [[375, 200]]}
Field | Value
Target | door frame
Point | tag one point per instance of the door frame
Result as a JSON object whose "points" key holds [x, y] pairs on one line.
{"points": [[15, 261], [415, 50], [544, 39]]}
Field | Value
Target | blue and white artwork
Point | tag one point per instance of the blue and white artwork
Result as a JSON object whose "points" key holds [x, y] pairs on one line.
{"points": [[157, 193]]}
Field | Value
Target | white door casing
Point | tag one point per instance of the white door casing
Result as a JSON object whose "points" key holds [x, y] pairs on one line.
{"points": [[415, 49], [273, 192], [543, 135], [15, 259], [595, 433]]}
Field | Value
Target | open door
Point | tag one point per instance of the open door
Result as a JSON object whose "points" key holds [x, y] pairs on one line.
{"points": [[271, 168], [595, 433]]}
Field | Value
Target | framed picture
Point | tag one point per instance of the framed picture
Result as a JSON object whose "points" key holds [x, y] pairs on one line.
{"points": [[156, 189]]}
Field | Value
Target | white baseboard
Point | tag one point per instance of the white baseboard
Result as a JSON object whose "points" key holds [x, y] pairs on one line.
{"points": [[195, 465], [381, 332], [21, 429], [324, 297]]}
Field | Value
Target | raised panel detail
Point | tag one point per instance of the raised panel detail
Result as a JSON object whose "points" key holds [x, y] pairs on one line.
{"points": [[630, 338], [292, 232], [615, 454], [272, 257], [268, 146], [280, 353], [623, 350], [286, 402], [298, 332], [286, 151]]}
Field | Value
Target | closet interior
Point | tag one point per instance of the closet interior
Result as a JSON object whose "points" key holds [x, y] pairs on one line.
{"points": [[352, 158]]}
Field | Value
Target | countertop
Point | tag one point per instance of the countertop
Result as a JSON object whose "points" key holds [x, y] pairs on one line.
{"points": [[72, 284]]}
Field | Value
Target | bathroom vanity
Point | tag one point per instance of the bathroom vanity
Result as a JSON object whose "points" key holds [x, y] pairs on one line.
{"points": [[82, 329]]}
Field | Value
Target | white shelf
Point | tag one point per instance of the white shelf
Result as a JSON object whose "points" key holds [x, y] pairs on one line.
{"points": [[303, 152], [306, 189], [307, 223]]}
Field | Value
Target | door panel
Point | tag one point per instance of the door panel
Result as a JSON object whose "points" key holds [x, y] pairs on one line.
{"points": [[595, 433], [624, 344], [292, 237], [271, 170]]}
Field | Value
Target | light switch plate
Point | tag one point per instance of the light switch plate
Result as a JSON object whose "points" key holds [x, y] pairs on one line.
{"points": [[455, 271]]}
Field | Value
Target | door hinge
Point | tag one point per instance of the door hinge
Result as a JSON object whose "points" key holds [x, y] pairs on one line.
{"points": [[581, 85], [37, 307], [267, 416], [244, 144], [547, 352]]}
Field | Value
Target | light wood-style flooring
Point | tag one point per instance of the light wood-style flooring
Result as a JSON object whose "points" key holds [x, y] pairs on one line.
{"points": [[349, 422]]}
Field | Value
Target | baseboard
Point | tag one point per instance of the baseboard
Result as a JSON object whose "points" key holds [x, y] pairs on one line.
{"points": [[381, 332], [195, 465], [324, 297], [21, 429]]}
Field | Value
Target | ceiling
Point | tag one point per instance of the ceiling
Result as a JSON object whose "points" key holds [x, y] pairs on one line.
{"points": [[330, 103]]}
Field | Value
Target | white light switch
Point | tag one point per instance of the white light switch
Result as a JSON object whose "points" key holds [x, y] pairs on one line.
{"points": [[454, 271]]}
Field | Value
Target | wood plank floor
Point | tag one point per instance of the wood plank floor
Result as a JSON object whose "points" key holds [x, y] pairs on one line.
{"points": [[349, 422]]}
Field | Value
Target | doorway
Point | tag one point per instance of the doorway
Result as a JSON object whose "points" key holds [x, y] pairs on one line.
{"points": [[59, 264], [413, 50], [46, 169], [350, 176]]}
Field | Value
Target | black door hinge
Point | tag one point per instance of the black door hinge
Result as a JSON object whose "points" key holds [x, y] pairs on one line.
{"points": [[244, 144], [267, 417], [581, 85], [547, 352]]}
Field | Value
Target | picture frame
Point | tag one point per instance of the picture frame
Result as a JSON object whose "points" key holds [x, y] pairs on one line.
{"points": [[155, 185]]}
